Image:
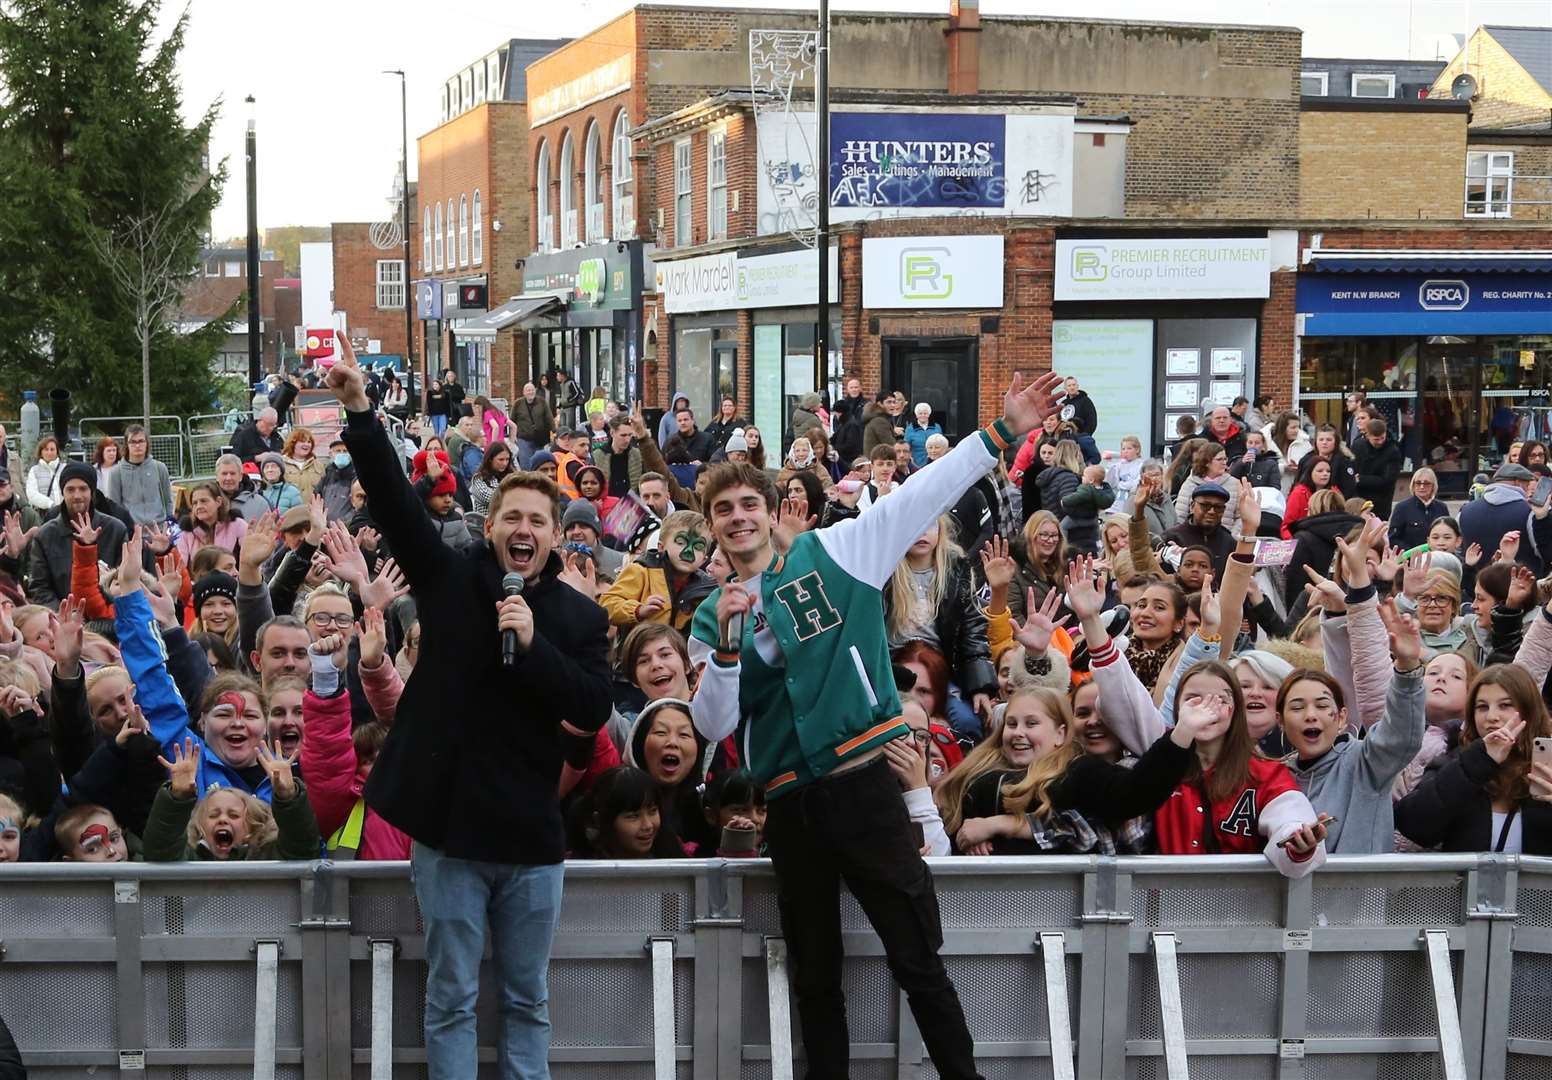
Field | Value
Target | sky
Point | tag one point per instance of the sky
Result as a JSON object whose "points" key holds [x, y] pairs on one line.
{"points": [[328, 120]]}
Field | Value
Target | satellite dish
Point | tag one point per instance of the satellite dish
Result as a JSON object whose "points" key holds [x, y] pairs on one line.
{"points": [[1464, 88]]}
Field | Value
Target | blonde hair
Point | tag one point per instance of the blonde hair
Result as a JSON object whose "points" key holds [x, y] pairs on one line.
{"points": [[683, 521], [328, 588], [1051, 571], [902, 595], [1326, 501], [1123, 522], [262, 830], [1031, 795], [986, 757], [1424, 473], [108, 672], [10, 808], [1068, 456], [20, 674], [1445, 582]]}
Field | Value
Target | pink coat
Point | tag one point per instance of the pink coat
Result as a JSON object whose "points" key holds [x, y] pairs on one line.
{"points": [[329, 765], [229, 535]]}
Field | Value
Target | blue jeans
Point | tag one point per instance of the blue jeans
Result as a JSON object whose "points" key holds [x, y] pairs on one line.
{"points": [[439, 424], [459, 899], [526, 449]]}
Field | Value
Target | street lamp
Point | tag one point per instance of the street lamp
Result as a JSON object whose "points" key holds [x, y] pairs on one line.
{"points": [[255, 353], [404, 205]]}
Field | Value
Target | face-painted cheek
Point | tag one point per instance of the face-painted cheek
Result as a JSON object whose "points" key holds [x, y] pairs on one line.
{"points": [[234, 699], [691, 545], [92, 836]]}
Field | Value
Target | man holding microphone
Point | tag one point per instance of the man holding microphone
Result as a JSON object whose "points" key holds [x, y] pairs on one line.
{"points": [[798, 665], [512, 682]]}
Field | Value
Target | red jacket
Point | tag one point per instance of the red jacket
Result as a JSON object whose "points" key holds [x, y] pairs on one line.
{"points": [[333, 788]]}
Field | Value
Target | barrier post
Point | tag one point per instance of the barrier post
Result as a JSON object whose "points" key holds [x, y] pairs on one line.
{"points": [[265, 998], [1053, 949], [382, 1008], [717, 1038], [129, 974], [1171, 1013], [1107, 907], [1437, 943], [1495, 888], [664, 1041], [780, 1006], [1293, 1010]]}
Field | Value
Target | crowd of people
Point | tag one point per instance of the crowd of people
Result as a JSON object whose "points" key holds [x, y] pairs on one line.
{"points": [[1242, 648]]}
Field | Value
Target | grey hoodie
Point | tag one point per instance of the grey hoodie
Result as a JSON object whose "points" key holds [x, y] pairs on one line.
{"points": [[1352, 782], [667, 426], [144, 488]]}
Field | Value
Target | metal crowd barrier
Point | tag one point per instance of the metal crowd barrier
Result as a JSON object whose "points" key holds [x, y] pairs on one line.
{"points": [[168, 444], [1162, 968]]}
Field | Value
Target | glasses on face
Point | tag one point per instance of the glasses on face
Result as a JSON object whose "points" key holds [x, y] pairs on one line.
{"points": [[323, 620], [1434, 600], [1048, 537], [926, 738]]}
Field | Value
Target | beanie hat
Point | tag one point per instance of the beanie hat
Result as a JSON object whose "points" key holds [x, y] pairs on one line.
{"points": [[214, 583], [446, 484], [271, 458], [736, 442], [418, 464], [581, 512], [75, 470], [543, 457], [636, 746], [603, 481]]}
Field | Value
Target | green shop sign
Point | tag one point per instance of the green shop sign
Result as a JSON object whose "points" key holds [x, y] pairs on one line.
{"points": [[598, 277]]}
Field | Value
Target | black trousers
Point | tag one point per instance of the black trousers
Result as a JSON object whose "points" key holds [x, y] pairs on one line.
{"points": [[855, 828]]}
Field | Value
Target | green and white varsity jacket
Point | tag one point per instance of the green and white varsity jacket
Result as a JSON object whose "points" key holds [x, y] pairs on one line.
{"points": [[811, 686]]}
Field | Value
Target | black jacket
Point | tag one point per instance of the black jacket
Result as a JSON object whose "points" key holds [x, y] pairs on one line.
{"points": [[1220, 542], [471, 764], [1316, 547], [248, 444], [719, 431], [1264, 471], [1233, 443], [11, 1067], [1082, 414], [1411, 520], [961, 627], [1054, 485], [682, 449], [878, 427], [1378, 467], [1451, 808]]}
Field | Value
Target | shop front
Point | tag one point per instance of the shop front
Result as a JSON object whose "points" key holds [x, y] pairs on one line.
{"points": [[1454, 350], [595, 334], [464, 302], [703, 295], [428, 309], [1160, 329]]}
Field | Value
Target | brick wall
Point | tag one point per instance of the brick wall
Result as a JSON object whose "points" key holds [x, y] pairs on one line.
{"points": [[1532, 184], [1385, 165], [355, 286], [1275, 372], [1506, 94], [1465, 237]]}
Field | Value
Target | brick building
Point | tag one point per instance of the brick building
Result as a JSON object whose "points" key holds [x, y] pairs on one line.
{"points": [[369, 287], [1166, 143], [474, 195], [222, 283]]}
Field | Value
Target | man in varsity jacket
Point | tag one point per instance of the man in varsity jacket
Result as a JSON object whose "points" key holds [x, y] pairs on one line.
{"points": [[808, 686]]}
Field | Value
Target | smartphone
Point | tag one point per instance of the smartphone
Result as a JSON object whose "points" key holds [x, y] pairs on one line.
{"points": [[1543, 491], [1327, 820], [920, 834], [1541, 750]]}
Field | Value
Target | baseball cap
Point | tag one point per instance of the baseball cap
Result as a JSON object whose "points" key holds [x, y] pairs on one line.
{"points": [[1210, 490]]}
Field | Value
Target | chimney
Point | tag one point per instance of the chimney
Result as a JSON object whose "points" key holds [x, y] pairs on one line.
{"points": [[964, 46]]}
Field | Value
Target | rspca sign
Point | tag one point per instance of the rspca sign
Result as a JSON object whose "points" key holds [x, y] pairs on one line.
{"points": [[1400, 304]]}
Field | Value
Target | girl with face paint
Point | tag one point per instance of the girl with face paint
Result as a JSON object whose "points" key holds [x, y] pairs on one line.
{"points": [[664, 585]]}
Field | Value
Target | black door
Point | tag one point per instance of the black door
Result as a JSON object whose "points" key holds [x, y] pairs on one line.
{"points": [[940, 371]]}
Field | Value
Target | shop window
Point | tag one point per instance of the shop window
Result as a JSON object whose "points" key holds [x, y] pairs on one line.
{"points": [[1373, 85], [716, 186], [1312, 83], [1489, 183], [682, 237]]}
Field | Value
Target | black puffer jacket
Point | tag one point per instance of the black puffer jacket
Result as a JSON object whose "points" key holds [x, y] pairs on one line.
{"points": [[961, 629], [1316, 547], [1264, 471], [1056, 484]]}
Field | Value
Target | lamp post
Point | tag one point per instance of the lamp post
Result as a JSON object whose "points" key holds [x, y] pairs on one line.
{"points": [[255, 351], [404, 206], [822, 175]]}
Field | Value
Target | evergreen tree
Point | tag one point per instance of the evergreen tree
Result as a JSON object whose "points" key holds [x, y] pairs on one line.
{"points": [[92, 142]]}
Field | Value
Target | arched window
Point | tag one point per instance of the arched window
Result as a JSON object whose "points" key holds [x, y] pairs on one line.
{"points": [[622, 172], [592, 184], [425, 243], [463, 230], [477, 243], [439, 236], [543, 210], [568, 195], [452, 235]]}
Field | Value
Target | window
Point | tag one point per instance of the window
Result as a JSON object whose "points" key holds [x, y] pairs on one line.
{"points": [[542, 214], [446, 102], [233, 268], [682, 237], [466, 87], [592, 184], [622, 172], [716, 186], [390, 283], [452, 236], [455, 97], [213, 268], [463, 230], [493, 77], [479, 84], [568, 195], [1312, 83], [425, 243], [438, 235], [1374, 86], [477, 244], [1490, 183]]}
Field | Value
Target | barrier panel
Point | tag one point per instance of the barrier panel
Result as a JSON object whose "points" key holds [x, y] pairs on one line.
{"points": [[1377, 967], [208, 435], [168, 442]]}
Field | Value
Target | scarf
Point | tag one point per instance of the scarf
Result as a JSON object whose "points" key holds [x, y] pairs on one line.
{"points": [[1148, 663]]}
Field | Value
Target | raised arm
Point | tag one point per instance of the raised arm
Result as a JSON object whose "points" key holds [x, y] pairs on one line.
{"points": [[1124, 702], [1394, 740], [166, 715]]}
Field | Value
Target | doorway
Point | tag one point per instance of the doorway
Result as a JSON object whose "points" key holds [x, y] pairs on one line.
{"points": [[944, 372]]}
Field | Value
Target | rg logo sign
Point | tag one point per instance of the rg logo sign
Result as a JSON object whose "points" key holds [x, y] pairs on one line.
{"points": [[1444, 295], [923, 275]]}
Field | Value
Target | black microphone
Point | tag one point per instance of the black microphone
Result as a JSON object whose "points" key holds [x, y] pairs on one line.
{"points": [[511, 585]]}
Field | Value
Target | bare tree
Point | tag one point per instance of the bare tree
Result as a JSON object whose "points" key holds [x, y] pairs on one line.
{"points": [[144, 256]]}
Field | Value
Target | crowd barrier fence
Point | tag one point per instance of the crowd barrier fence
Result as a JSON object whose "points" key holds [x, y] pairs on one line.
{"points": [[1374, 967]]}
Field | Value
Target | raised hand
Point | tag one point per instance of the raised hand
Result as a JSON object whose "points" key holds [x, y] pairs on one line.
{"points": [[1522, 588], [1026, 404], [1035, 632], [183, 769], [386, 587], [1144, 492], [258, 543], [1323, 592], [129, 565], [1414, 574], [7, 622], [793, 518], [318, 518], [134, 725], [1249, 509], [69, 636], [345, 559], [345, 379], [1473, 554], [367, 538], [157, 538], [335, 646], [81, 526], [1085, 591], [1212, 608], [580, 575], [1501, 740], [372, 633], [1390, 565], [997, 565], [1193, 718], [1406, 640], [16, 540], [1509, 546], [277, 767]]}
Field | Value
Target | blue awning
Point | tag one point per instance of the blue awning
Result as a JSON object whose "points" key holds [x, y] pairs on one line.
{"points": [[1428, 262]]}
